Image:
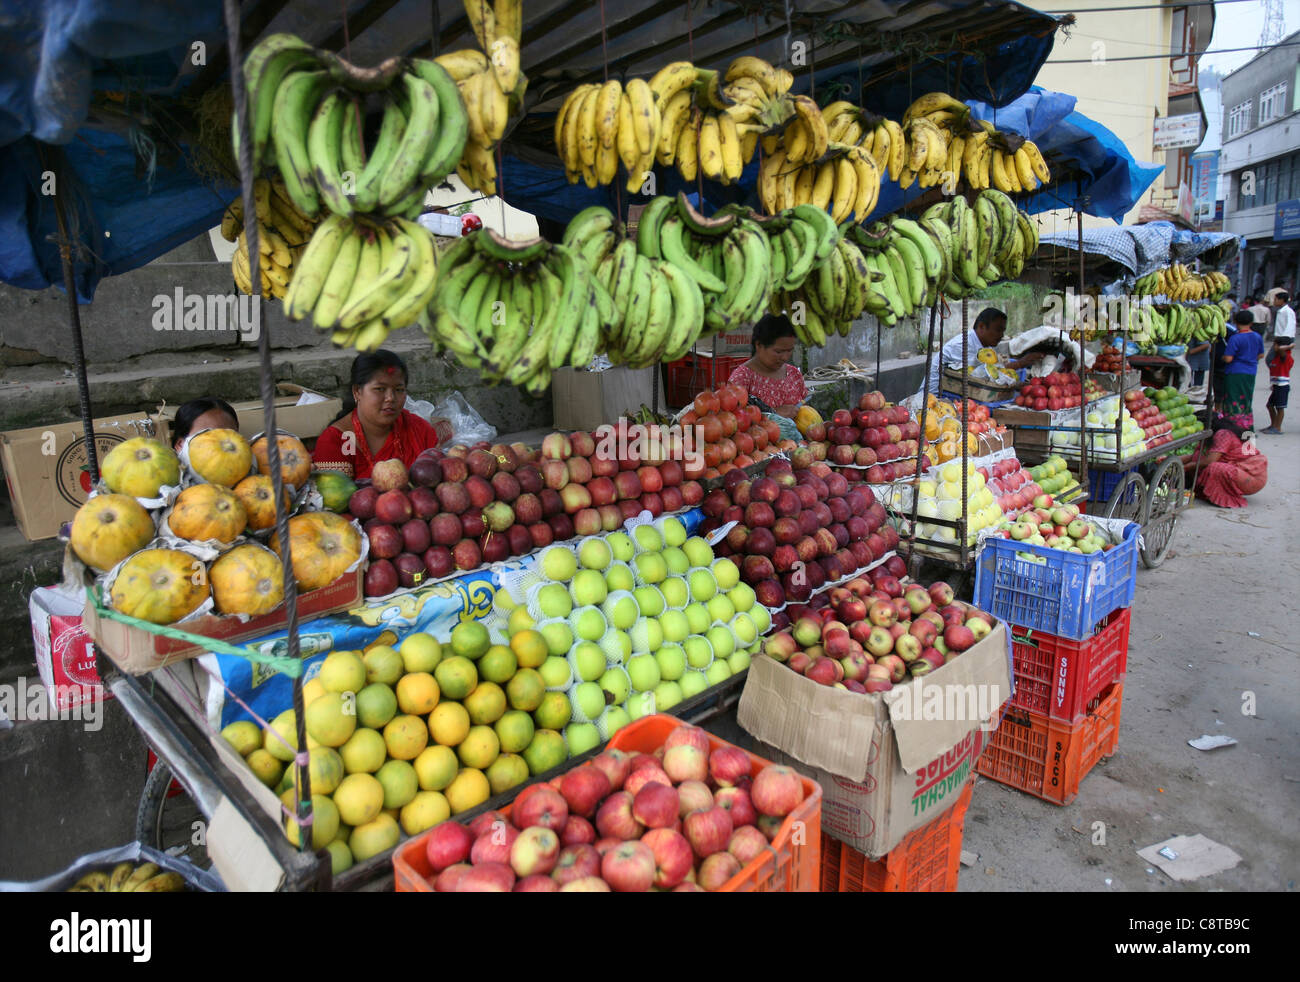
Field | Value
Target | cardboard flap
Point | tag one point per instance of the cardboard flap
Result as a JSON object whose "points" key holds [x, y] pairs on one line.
{"points": [[829, 728], [245, 862], [935, 712]]}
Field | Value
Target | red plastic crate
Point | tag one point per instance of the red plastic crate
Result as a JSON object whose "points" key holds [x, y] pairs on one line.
{"points": [[926, 861], [687, 378], [1047, 758], [1057, 677], [790, 864]]}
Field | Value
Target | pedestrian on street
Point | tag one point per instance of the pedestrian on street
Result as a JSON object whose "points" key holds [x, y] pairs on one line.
{"points": [[1260, 311], [1198, 360], [1231, 468], [1242, 355], [1280, 360]]}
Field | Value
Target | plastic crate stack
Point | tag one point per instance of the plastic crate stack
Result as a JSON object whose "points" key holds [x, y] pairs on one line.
{"points": [[1069, 653]]}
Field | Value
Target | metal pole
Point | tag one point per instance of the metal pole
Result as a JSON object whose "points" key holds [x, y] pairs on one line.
{"points": [[912, 559], [965, 391], [1083, 396]]}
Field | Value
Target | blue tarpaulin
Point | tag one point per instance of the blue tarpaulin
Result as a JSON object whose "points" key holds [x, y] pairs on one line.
{"points": [[1143, 248]]}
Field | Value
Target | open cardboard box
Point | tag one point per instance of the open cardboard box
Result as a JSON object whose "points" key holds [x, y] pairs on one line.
{"points": [[306, 421], [886, 766]]}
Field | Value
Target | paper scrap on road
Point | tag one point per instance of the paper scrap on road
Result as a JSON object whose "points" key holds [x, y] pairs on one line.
{"points": [[1208, 742], [969, 858], [1196, 855]]}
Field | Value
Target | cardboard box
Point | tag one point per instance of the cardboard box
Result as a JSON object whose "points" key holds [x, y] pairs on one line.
{"points": [[45, 468], [584, 400], [978, 389], [65, 653], [737, 342], [137, 651], [885, 767], [306, 422]]}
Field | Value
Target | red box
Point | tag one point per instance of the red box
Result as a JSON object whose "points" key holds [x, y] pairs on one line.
{"points": [[926, 861], [65, 654], [1058, 678], [1047, 758], [685, 379]]}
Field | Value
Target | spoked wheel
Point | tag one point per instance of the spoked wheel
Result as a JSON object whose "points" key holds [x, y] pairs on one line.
{"points": [[171, 822], [1128, 499], [1164, 501]]}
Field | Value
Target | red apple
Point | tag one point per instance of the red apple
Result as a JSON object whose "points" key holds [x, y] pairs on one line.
{"points": [[708, 831], [629, 868]]}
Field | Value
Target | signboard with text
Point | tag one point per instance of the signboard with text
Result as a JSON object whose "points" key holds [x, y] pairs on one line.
{"points": [[1175, 132], [1286, 220]]}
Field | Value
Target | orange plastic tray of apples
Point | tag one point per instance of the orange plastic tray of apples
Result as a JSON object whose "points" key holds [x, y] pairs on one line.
{"points": [[665, 806]]}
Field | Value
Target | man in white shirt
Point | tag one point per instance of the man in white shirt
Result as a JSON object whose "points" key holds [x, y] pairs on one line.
{"points": [[987, 332]]}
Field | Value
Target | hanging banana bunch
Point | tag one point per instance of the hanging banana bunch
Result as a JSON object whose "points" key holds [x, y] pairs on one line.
{"points": [[282, 235]]}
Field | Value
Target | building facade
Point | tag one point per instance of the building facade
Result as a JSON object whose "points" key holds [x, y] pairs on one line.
{"points": [[1261, 157]]}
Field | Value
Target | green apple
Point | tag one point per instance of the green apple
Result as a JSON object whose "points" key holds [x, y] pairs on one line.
{"points": [[650, 566], [594, 554], [676, 560], [620, 543], [613, 720], [556, 672], [588, 661], [619, 577], [738, 662], [559, 563], [699, 652], [761, 617], [667, 695], [743, 626], [588, 623], [581, 737], [554, 712], [559, 637], [588, 698], [718, 672], [703, 584], [672, 661], [588, 587], [650, 600], [697, 618], [641, 704], [723, 641], [621, 610], [553, 600], [616, 685], [741, 596], [617, 646], [693, 683], [720, 608], [698, 551], [674, 625], [674, 531], [648, 538], [644, 672], [675, 591], [726, 573]]}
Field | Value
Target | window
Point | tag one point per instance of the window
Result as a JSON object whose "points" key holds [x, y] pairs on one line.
{"points": [[1239, 120], [1275, 180], [1272, 103]]}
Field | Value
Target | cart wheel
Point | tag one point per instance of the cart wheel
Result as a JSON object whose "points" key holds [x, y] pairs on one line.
{"points": [[1129, 499], [171, 824], [1164, 501]]}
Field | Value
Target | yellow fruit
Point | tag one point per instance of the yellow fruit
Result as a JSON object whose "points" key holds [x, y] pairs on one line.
{"points": [[485, 704], [399, 781], [326, 770], [424, 811], [160, 585], [515, 731], [479, 748], [108, 528], [220, 456], [405, 736], [420, 652], [295, 459], [449, 723], [498, 665], [340, 857], [436, 767], [805, 418], [546, 751], [470, 788], [359, 797], [526, 690], [139, 467], [247, 580], [376, 705], [374, 837], [244, 736], [257, 494], [343, 671], [312, 690], [520, 620], [530, 648], [417, 693], [281, 738], [383, 664], [364, 753], [332, 718], [506, 772], [470, 640], [456, 677], [267, 768], [324, 823], [324, 545]]}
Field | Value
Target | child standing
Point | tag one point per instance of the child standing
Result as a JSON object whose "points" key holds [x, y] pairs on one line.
{"points": [[1280, 360]]}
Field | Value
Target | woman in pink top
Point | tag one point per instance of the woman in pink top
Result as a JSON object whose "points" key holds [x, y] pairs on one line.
{"points": [[768, 375]]}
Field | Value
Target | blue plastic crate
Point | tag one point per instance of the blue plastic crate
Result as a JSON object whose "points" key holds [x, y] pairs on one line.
{"points": [[1068, 596], [1102, 484]]}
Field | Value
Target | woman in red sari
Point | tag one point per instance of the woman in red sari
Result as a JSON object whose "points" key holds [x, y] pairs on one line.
{"points": [[1231, 468], [374, 426]]}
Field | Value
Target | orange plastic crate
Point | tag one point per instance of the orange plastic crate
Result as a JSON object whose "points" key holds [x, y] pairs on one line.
{"points": [[926, 861], [1048, 758], [790, 864]]}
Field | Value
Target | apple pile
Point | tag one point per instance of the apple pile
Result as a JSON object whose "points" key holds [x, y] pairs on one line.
{"points": [[1110, 361], [1056, 527], [734, 432], [1050, 392], [469, 506], [1155, 425], [688, 818], [875, 632], [1101, 420], [1178, 412], [881, 439], [789, 517], [635, 622]]}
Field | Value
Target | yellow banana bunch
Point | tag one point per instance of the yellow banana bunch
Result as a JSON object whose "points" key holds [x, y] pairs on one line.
{"points": [[600, 126], [846, 183], [130, 878], [806, 136], [282, 235]]}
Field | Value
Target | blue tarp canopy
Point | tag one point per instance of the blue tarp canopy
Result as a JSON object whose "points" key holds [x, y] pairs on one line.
{"points": [[1143, 248], [104, 92]]}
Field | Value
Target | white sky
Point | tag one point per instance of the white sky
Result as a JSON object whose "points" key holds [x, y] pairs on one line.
{"points": [[1237, 25]]}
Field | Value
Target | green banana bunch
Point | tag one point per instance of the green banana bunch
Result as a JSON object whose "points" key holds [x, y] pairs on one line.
{"points": [[834, 295], [307, 108]]}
